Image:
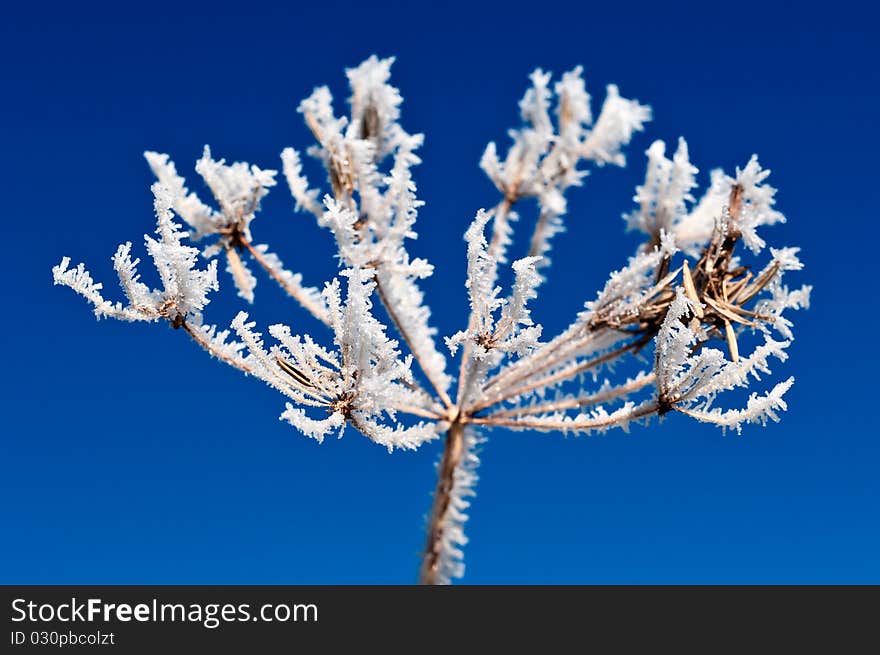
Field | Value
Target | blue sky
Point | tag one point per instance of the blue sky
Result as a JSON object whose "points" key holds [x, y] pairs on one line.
{"points": [[127, 456]]}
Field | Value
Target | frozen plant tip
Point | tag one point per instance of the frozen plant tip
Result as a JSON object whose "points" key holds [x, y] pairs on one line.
{"points": [[690, 291]]}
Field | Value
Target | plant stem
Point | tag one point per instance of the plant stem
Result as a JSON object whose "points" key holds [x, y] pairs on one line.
{"points": [[294, 292], [452, 453], [392, 314]]}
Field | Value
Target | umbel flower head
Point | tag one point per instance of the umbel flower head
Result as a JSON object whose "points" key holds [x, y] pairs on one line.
{"points": [[702, 290]]}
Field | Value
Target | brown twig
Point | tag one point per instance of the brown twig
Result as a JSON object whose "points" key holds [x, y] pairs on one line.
{"points": [[205, 345], [595, 424], [452, 453], [582, 401], [318, 312], [444, 397], [560, 376]]}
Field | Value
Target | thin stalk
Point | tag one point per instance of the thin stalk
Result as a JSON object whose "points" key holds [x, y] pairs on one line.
{"points": [[538, 235], [210, 349], [452, 453], [444, 397], [499, 223], [549, 357], [582, 401], [301, 298], [418, 411], [501, 210], [560, 376], [584, 426]]}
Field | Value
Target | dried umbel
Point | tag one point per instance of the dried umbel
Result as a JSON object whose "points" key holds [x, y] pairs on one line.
{"points": [[379, 367]]}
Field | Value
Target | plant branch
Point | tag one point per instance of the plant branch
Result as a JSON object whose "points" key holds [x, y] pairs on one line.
{"points": [[560, 376], [520, 369], [444, 397], [295, 293], [205, 345], [500, 221], [499, 214], [581, 401], [589, 425], [452, 454], [418, 411]]}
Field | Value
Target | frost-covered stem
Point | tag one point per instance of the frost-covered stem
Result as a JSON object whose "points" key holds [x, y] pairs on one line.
{"points": [[444, 397], [556, 351], [591, 399], [601, 423], [343, 195], [296, 294], [537, 235], [500, 223], [205, 345], [560, 376], [499, 220], [452, 453], [550, 356], [417, 411], [465, 383], [239, 272]]}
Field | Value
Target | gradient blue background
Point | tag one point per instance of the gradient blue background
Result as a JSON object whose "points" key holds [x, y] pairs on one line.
{"points": [[130, 457]]}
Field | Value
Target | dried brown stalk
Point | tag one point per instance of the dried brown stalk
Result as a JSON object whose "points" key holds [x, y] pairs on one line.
{"points": [[452, 453]]}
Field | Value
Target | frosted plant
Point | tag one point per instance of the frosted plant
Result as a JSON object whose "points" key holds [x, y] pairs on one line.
{"points": [[379, 368]]}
